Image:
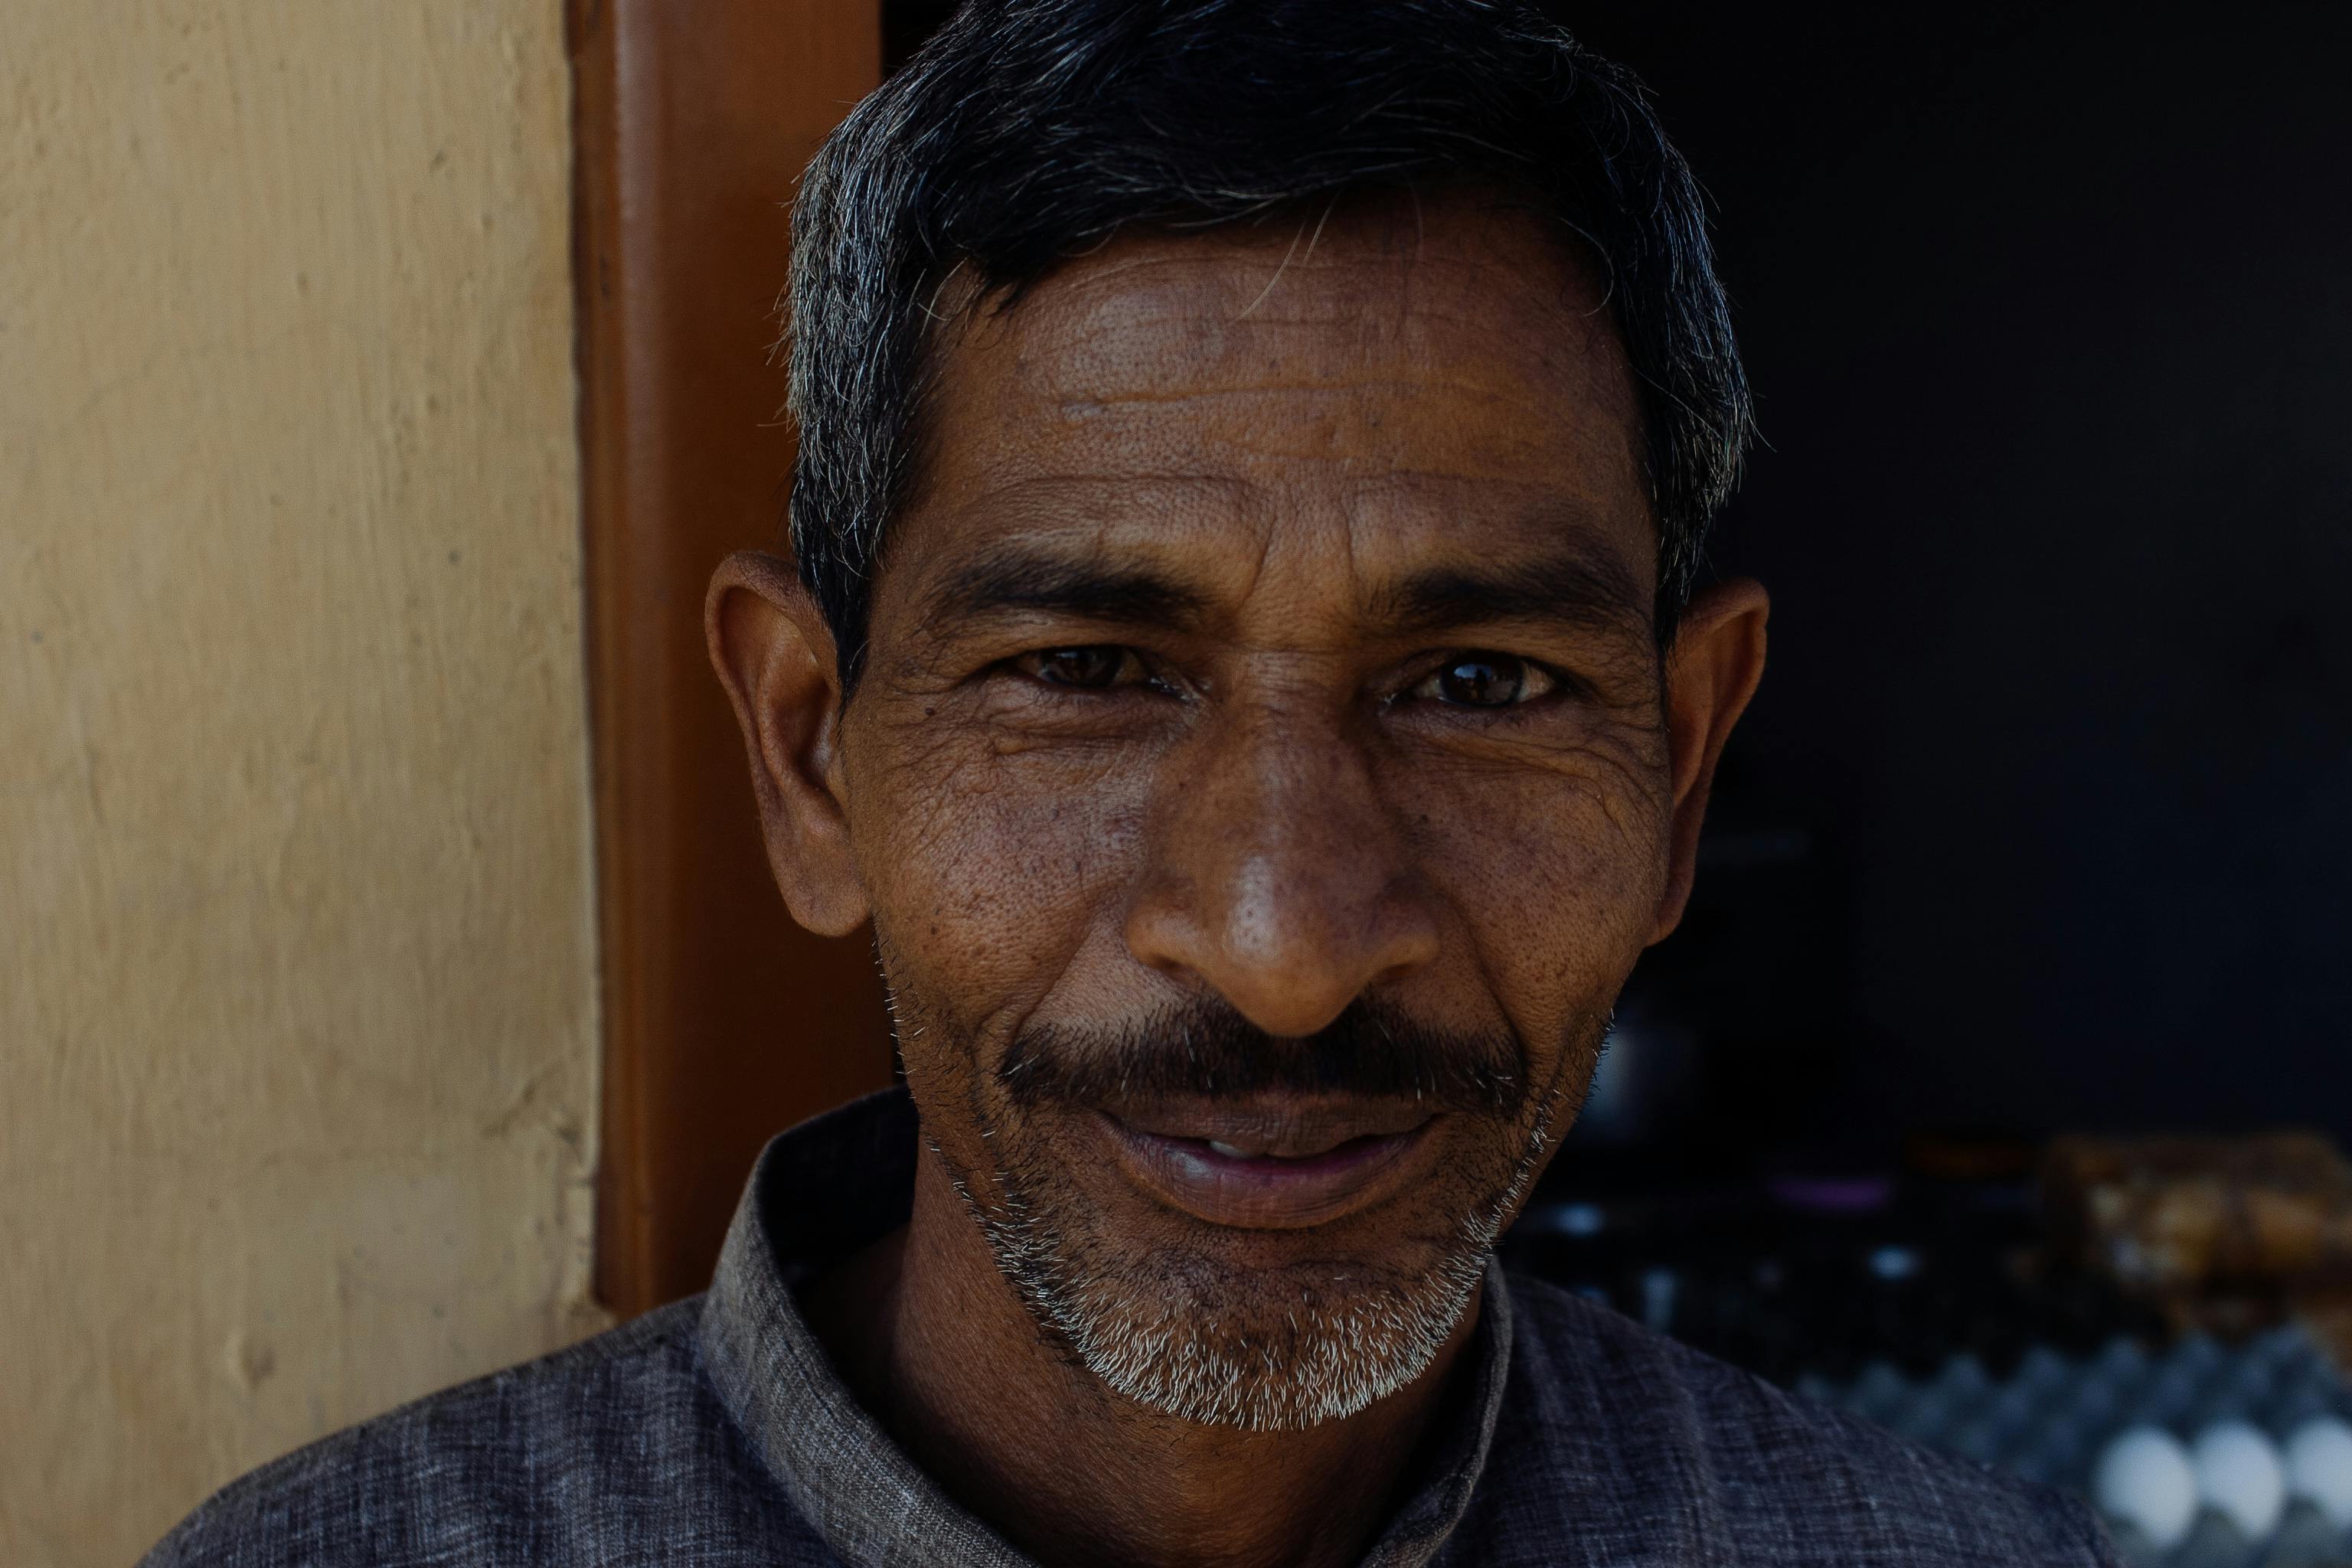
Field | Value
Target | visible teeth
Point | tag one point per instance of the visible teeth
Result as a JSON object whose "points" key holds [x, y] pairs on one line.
{"points": [[1227, 1150]]}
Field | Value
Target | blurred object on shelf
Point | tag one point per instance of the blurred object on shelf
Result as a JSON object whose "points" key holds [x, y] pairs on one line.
{"points": [[2157, 1324], [2325, 1313], [2221, 1235], [1818, 1263], [2198, 1453]]}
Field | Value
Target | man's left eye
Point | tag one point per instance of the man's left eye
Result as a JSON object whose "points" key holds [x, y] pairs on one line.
{"points": [[1096, 667], [1483, 679]]}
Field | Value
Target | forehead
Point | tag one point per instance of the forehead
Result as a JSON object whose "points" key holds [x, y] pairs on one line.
{"points": [[1383, 382]]}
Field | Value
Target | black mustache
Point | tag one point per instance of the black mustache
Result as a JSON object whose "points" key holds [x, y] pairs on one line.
{"points": [[1207, 1049]]}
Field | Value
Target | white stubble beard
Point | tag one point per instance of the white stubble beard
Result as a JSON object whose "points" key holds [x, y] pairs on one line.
{"points": [[1147, 1327]]}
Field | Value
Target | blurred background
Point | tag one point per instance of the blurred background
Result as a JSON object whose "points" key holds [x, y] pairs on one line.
{"points": [[390, 988]]}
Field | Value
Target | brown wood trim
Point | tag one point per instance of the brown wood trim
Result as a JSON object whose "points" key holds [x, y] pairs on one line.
{"points": [[723, 1022]]}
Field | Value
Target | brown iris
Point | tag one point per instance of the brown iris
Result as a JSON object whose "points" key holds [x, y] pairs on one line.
{"points": [[1093, 666], [1482, 680]]}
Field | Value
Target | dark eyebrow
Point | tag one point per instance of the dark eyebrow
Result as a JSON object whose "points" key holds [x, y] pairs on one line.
{"points": [[1574, 591], [1014, 582]]}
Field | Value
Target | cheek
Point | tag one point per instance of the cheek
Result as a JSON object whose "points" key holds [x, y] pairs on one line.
{"points": [[1556, 873], [987, 870]]}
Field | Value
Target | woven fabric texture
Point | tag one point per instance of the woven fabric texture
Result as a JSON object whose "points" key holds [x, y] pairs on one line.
{"points": [[713, 1434]]}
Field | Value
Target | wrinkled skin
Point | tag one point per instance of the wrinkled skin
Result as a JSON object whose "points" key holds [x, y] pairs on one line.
{"points": [[1272, 631]]}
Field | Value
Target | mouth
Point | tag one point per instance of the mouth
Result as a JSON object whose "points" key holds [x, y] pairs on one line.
{"points": [[1271, 1166]]}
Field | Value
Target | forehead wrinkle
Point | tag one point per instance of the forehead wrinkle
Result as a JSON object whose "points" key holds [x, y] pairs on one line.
{"points": [[1093, 320], [1317, 436], [1516, 507], [1341, 386], [1122, 366], [1083, 375], [1084, 496], [1133, 350]]}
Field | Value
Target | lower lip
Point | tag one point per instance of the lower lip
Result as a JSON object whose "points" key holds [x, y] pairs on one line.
{"points": [[1266, 1194]]}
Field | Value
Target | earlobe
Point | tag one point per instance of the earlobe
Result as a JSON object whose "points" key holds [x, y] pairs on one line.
{"points": [[1713, 669], [774, 655]]}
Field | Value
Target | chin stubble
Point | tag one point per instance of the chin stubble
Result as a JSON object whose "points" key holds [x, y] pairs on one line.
{"points": [[1179, 1335]]}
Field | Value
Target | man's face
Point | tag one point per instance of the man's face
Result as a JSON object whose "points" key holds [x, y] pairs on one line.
{"points": [[1259, 783]]}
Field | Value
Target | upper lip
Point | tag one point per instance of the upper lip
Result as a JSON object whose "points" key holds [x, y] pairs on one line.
{"points": [[1275, 1126]]}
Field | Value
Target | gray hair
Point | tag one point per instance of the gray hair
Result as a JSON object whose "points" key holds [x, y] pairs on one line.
{"points": [[1027, 132]]}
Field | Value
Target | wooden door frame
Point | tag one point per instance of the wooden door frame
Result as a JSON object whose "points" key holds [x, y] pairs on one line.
{"points": [[722, 1021]]}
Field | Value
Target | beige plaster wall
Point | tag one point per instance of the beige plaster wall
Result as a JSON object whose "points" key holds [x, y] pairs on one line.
{"points": [[297, 990]]}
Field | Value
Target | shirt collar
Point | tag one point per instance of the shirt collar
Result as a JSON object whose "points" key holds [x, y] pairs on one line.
{"points": [[828, 1187]]}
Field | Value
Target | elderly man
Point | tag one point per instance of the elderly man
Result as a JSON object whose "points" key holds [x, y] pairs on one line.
{"points": [[1244, 652]]}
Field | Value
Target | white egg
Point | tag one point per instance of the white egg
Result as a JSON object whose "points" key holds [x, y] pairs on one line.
{"points": [[2319, 1467], [2144, 1480], [2238, 1472]]}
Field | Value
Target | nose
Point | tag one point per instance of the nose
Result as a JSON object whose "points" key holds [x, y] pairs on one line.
{"points": [[1277, 875]]}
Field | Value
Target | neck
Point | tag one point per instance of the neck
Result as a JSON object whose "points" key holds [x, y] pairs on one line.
{"points": [[937, 1346]]}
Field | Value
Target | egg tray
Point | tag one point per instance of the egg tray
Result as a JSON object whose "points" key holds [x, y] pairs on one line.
{"points": [[2050, 1418]]}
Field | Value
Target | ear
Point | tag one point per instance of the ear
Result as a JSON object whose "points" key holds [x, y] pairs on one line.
{"points": [[775, 655], [1711, 672]]}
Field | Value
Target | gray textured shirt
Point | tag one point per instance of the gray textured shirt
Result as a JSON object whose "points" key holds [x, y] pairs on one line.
{"points": [[713, 1434]]}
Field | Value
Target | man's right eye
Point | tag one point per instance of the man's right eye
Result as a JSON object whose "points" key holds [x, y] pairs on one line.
{"points": [[1096, 666]]}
